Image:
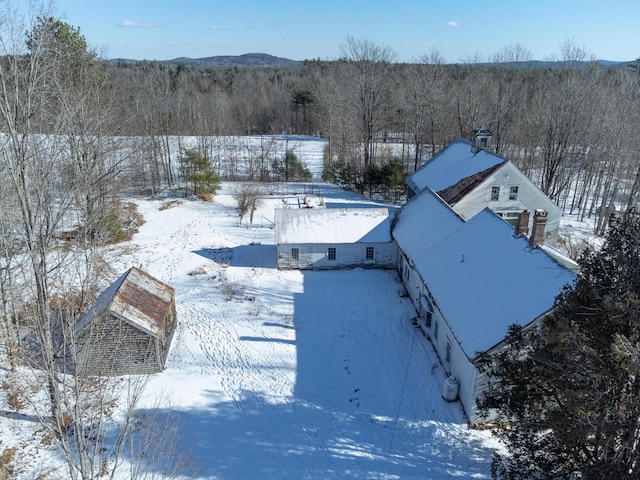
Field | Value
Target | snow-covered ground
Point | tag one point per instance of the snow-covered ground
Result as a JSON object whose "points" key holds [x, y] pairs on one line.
{"points": [[281, 374], [284, 374], [291, 374]]}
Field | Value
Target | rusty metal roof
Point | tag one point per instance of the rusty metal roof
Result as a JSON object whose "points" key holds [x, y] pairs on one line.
{"points": [[142, 300], [137, 298], [456, 192]]}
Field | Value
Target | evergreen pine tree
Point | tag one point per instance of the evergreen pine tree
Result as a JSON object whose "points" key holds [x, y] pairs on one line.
{"points": [[569, 392]]}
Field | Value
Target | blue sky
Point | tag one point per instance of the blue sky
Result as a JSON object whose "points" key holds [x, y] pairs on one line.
{"points": [[458, 29]]}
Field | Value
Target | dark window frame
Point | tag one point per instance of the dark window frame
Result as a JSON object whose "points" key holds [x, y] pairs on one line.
{"points": [[369, 253], [428, 319]]}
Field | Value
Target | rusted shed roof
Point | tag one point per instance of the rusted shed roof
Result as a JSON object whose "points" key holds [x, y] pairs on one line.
{"points": [[456, 192], [137, 298]]}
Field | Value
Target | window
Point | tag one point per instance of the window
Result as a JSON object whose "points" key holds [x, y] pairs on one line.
{"points": [[448, 356], [510, 217], [495, 193], [331, 254], [428, 319], [295, 253], [513, 192], [369, 253], [435, 329]]}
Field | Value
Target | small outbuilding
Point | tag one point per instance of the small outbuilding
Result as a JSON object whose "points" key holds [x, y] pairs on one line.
{"points": [[130, 328], [331, 238]]}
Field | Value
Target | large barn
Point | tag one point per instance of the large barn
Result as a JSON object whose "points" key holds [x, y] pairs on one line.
{"points": [[129, 330]]}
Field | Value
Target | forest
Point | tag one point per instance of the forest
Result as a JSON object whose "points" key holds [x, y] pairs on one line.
{"points": [[569, 128], [77, 131]]}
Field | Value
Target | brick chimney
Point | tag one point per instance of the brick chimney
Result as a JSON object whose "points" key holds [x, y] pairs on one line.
{"points": [[522, 228], [537, 234]]}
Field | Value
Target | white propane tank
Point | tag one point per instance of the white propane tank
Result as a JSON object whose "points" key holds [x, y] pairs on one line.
{"points": [[450, 389]]}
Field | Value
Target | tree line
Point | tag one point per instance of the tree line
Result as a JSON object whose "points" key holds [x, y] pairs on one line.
{"points": [[570, 127]]}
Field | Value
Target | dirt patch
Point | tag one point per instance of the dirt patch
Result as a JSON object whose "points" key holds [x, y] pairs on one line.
{"points": [[170, 204]]}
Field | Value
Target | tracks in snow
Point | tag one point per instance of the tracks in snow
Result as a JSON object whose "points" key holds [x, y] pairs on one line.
{"points": [[255, 363]]}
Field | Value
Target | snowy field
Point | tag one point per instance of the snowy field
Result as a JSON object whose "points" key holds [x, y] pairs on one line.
{"points": [[283, 374], [291, 374]]}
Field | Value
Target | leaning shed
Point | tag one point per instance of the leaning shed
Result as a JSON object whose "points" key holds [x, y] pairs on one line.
{"points": [[129, 330], [332, 238]]}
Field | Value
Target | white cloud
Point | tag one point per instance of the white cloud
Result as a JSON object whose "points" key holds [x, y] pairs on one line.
{"points": [[135, 24], [452, 23]]}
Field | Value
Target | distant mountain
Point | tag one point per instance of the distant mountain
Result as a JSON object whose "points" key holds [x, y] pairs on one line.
{"points": [[264, 60], [257, 60]]}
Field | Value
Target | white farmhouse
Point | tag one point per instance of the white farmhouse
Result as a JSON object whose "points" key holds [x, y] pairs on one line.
{"points": [[470, 178], [334, 238], [470, 280]]}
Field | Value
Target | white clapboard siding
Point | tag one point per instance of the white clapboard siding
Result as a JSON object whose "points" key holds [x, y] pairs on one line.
{"points": [[316, 256], [309, 234]]}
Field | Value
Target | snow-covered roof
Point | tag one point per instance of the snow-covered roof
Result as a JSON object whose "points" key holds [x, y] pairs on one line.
{"points": [[451, 165], [332, 225], [423, 222], [135, 297], [481, 277]]}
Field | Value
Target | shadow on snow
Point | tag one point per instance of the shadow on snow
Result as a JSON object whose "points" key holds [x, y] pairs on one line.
{"points": [[258, 256], [366, 401]]}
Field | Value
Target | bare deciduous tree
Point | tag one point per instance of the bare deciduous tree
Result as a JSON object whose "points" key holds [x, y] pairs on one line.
{"points": [[420, 98], [370, 78], [47, 179], [247, 196]]}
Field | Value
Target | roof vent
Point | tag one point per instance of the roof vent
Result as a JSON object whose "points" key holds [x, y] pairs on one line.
{"points": [[481, 139]]}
